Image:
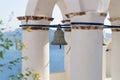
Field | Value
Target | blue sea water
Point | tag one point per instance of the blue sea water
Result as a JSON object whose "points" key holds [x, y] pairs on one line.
{"points": [[10, 55], [56, 56], [15, 69]]}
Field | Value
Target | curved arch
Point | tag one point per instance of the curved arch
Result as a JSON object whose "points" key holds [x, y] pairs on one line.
{"points": [[103, 6], [63, 7], [30, 8], [89, 6], [73, 6], [114, 8], [40, 7]]}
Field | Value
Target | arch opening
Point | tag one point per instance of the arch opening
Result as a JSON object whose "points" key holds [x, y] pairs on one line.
{"points": [[56, 54]]}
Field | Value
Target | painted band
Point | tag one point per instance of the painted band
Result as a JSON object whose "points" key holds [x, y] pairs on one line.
{"points": [[34, 18], [86, 23], [42, 25], [116, 30], [68, 25], [114, 19], [87, 27], [63, 21], [74, 14], [67, 29], [36, 28], [69, 15]]}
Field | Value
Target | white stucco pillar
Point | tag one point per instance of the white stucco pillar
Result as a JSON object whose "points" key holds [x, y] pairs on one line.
{"points": [[108, 59], [67, 53], [67, 50], [115, 66], [86, 39], [115, 21], [86, 53], [36, 41]]}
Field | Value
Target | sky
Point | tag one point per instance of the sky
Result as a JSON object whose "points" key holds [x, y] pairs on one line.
{"points": [[10, 10], [6, 6]]}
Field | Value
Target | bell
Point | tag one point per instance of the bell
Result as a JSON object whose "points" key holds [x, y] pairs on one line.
{"points": [[59, 37]]}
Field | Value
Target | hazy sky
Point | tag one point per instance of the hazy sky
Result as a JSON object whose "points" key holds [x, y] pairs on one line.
{"points": [[10, 9], [18, 6]]}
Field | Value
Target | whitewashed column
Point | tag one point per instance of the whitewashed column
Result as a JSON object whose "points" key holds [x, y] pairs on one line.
{"points": [[86, 53], [36, 41], [108, 54], [115, 21], [115, 66], [86, 40], [67, 49]]}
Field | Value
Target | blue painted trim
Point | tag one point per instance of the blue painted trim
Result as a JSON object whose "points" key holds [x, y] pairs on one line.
{"points": [[90, 23], [68, 25], [111, 26], [40, 25], [86, 23]]}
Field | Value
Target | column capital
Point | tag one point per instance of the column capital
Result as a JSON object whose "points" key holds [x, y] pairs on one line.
{"points": [[67, 29], [69, 15], [116, 30], [35, 18], [65, 21], [87, 16], [112, 19], [88, 27], [36, 28], [115, 21], [72, 14]]}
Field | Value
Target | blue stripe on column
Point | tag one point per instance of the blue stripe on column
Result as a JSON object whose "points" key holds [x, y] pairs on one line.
{"points": [[111, 26], [86, 23], [68, 25]]}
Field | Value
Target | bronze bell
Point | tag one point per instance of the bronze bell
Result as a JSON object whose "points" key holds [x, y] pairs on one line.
{"points": [[59, 37]]}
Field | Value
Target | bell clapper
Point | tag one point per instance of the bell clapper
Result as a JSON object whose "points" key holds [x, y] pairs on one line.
{"points": [[60, 46]]}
